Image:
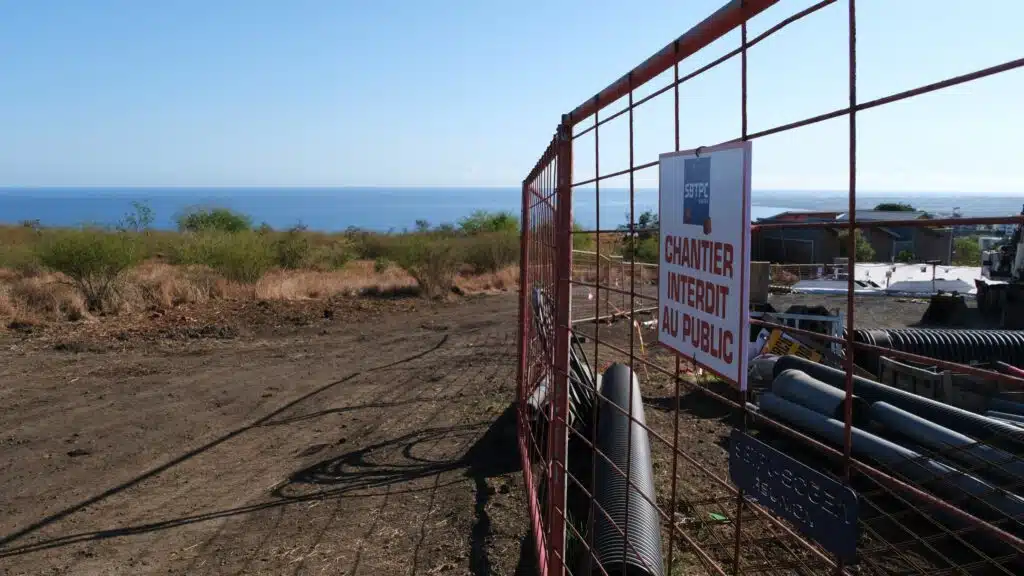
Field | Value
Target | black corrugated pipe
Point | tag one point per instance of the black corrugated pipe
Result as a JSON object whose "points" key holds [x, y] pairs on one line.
{"points": [[952, 345], [976, 425], [612, 491]]}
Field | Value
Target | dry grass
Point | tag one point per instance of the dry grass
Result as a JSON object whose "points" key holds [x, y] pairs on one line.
{"points": [[7, 309], [501, 281], [40, 297], [354, 279], [161, 286]]}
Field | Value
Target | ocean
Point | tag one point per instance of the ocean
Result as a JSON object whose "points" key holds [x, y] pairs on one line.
{"points": [[383, 209]]}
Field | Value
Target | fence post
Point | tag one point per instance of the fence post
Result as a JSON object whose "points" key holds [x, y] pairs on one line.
{"points": [[563, 270], [524, 299]]}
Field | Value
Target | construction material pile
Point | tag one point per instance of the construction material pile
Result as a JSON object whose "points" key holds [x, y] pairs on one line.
{"points": [[970, 460]]}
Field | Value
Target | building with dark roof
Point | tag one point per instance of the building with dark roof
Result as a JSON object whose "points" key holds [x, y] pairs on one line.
{"points": [[822, 245]]}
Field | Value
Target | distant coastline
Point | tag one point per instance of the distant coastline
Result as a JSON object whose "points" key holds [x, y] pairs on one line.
{"points": [[398, 208]]}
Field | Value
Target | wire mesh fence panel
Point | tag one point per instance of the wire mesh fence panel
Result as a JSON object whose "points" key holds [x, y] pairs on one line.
{"points": [[877, 424]]}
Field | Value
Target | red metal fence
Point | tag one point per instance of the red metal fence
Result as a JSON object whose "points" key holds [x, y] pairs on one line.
{"points": [[907, 523]]}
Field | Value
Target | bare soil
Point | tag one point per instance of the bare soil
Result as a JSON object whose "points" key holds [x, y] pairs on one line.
{"points": [[352, 436], [347, 437]]}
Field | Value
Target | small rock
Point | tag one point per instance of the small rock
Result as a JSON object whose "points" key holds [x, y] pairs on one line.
{"points": [[78, 452], [342, 440]]}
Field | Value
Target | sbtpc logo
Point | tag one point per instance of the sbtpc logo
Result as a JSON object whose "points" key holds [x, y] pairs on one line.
{"points": [[697, 192]]}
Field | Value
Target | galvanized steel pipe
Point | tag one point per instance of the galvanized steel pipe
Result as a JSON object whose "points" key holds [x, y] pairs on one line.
{"points": [[1007, 406], [949, 443], [1016, 418], [797, 386], [936, 476], [976, 425]]}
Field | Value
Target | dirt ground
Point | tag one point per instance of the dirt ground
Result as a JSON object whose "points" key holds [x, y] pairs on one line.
{"points": [[348, 437]]}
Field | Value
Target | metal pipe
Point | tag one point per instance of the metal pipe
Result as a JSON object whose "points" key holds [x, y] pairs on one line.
{"points": [[949, 443], [797, 386], [1011, 422], [936, 476], [625, 443], [969, 423], [1005, 416], [1007, 406]]}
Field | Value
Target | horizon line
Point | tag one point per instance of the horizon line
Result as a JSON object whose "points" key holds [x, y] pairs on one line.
{"points": [[8, 187]]}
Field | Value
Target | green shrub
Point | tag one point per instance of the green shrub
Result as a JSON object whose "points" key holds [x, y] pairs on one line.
{"points": [[966, 251], [905, 256], [333, 255], [140, 219], [894, 207], [92, 259], [369, 245], [432, 261], [864, 251], [213, 220], [158, 244], [292, 249], [643, 249], [493, 251], [481, 221], [243, 257], [21, 258], [381, 265], [582, 240]]}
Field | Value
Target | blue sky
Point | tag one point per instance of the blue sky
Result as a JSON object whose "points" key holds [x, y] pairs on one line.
{"points": [[467, 93]]}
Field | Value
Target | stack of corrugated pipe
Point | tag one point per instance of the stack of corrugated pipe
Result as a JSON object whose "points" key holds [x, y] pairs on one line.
{"points": [[970, 460], [627, 528], [953, 345]]}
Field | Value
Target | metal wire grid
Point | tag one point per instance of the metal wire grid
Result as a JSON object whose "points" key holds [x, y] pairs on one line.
{"points": [[901, 521]]}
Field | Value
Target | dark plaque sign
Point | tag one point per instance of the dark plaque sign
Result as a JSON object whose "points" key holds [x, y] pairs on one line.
{"points": [[822, 509]]}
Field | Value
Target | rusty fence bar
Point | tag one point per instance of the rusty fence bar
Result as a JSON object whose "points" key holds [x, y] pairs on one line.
{"points": [[940, 510]]}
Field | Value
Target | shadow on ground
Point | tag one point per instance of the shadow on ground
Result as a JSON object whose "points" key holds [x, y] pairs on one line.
{"points": [[693, 404], [527, 565], [5, 541], [395, 465]]}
